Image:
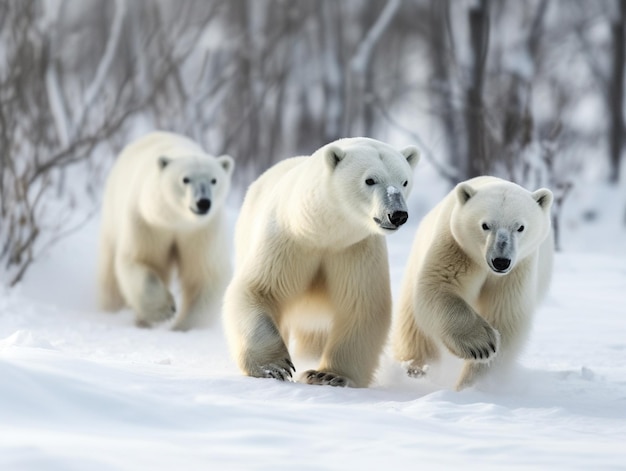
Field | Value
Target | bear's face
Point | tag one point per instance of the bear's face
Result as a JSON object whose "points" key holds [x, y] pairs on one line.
{"points": [[500, 224], [371, 181], [192, 186]]}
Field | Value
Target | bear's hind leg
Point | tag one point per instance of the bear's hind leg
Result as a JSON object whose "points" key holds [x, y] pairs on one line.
{"points": [[472, 371], [203, 282], [360, 293], [200, 306], [424, 353], [411, 345], [109, 296], [310, 343]]}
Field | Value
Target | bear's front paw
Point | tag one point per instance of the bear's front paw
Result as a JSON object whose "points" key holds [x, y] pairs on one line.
{"points": [[281, 370], [157, 309], [324, 378], [481, 343]]}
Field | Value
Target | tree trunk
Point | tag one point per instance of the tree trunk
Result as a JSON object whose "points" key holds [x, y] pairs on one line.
{"points": [[333, 80], [479, 39], [441, 86], [616, 94], [360, 67]]}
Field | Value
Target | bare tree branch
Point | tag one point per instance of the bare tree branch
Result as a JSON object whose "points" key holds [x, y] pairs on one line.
{"points": [[106, 61]]}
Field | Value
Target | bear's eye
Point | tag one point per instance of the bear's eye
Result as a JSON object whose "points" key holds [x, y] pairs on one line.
{"points": [[185, 180], [485, 226], [214, 181], [405, 183], [370, 182], [521, 229]]}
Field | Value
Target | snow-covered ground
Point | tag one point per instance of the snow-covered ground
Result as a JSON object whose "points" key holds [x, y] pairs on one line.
{"points": [[85, 390]]}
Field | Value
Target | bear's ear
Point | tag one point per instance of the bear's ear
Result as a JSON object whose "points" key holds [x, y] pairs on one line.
{"points": [[334, 155], [544, 198], [227, 163], [164, 162], [464, 192], [412, 155]]}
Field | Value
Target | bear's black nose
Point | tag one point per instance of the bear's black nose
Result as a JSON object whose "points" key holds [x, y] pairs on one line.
{"points": [[501, 264], [203, 205], [397, 218]]}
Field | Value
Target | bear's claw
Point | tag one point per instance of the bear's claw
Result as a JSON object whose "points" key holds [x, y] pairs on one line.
{"points": [[482, 354], [324, 378], [281, 372], [481, 344], [415, 370]]}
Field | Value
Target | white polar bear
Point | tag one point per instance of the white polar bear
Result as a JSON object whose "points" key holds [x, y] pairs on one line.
{"points": [[162, 209], [481, 262], [311, 262]]}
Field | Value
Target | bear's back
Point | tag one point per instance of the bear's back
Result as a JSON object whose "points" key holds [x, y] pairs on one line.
{"points": [[157, 144], [269, 180]]}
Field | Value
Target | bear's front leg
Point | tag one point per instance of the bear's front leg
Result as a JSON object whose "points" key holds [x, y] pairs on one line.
{"points": [[109, 296], [202, 301], [204, 276], [465, 333], [265, 355], [145, 292], [200, 307], [254, 339]]}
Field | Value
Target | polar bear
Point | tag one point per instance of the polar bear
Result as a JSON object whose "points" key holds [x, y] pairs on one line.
{"points": [[162, 210], [311, 262], [481, 262]]}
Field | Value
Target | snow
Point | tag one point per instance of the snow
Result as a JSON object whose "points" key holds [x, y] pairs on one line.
{"points": [[82, 389]]}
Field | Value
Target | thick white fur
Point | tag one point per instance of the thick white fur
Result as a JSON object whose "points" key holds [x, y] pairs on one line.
{"points": [[148, 229], [450, 293], [311, 263]]}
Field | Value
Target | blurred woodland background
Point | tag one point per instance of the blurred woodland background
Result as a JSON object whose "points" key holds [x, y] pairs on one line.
{"points": [[530, 90]]}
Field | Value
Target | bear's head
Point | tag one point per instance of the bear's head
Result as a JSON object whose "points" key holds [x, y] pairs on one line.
{"points": [[193, 187], [500, 223], [370, 181]]}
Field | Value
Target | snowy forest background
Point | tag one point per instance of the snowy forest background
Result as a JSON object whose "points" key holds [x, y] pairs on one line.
{"points": [[528, 90]]}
